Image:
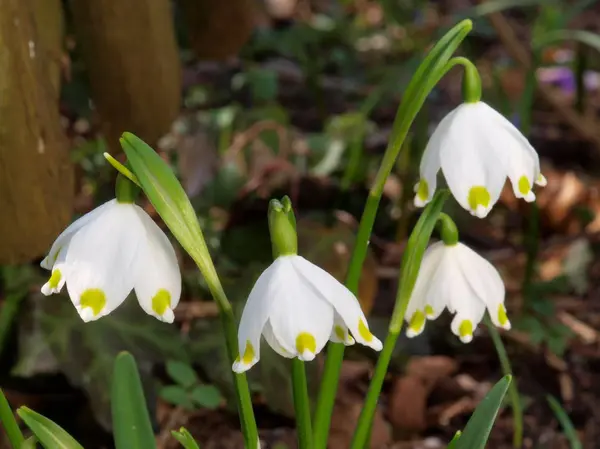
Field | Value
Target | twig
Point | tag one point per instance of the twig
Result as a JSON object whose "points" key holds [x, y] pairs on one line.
{"points": [[586, 129]]}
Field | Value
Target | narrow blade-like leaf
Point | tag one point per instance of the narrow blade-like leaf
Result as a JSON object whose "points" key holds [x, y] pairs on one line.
{"points": [[131, 420], [49, 434], [480, 424]]}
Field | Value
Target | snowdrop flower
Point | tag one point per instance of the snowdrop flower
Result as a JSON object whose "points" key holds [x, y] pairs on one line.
{"points": [[457, 278], [477, 148], [108, 252], [295, 305]]}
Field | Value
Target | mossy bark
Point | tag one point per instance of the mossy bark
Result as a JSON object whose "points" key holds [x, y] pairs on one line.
{"points": [[36, 177], [132, 61], [219, 28]]}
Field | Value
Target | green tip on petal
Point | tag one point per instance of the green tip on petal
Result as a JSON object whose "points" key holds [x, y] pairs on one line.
{"points": [[524, 185], [94, 298], [54, 279], [465, 331], [429, 312], [479, 200], [416, 324], [161, 301]]}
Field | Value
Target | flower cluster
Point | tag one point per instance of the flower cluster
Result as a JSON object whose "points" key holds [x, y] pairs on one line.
{"points": [[296, 306]]}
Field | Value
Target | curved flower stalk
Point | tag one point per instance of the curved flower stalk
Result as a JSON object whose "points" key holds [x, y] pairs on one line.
{"points": [[295, 305], [457, 278], [477, 149], [107, 253]]}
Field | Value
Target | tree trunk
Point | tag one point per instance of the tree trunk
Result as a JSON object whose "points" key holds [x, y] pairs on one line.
{"points": [[36, 177], [218, 28], [50, 27], [133, 65]]}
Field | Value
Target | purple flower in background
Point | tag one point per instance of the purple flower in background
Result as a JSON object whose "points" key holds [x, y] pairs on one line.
{"points": [[564, 78]]}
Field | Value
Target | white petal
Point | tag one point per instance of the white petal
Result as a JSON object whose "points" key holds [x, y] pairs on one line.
{"points": [[100, 261], [255, 315], [430, 162], [342, 300], [158, 285], [460, 297], [274, 342], [70, 231], [514, 132], [521, 160], [340, 333], [475, 173], [486, 282], [58, 276], [422, 304], [301, 319]]}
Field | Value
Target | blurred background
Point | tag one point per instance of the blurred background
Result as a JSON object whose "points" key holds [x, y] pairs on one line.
{"points": [[254, 99]]}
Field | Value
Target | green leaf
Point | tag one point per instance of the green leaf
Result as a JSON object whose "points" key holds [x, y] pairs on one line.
{"points": [[53, 338], [131, 420], [169, 199], [207, 396], [185, 438], [493, 6], [176, 395], [455, 438], [8, 421], [182, 373], [565, 422], [480, 424], [29, 443], [49, 434], [585, 37]]}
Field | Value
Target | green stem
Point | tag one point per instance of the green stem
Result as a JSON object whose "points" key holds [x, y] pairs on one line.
{"points": [[363, 428], [432, 69], [513, 391], [244, 400], [301, 405], [411, 263], [356, 146], [7, 418]]}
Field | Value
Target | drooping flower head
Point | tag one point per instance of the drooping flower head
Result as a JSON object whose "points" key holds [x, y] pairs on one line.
{"points": [[295, 305], [107, 253], [477, 149], [457, 278]]}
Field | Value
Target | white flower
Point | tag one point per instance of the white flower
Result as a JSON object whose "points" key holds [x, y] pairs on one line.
{"points": [[108, 252], [477, 148], [298, 307], [456, 277]]}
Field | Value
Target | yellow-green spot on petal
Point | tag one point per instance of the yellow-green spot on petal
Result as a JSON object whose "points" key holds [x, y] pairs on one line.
{"points": [[465, 329], [502, 317], [364, 332], [478, 196], [94, 298], [161, 301], [423, 190], [417, 321], [248, 356], [524, 185], [54, 279], [340, 333], [429, 312], [306, 342]]}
